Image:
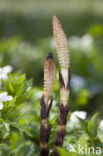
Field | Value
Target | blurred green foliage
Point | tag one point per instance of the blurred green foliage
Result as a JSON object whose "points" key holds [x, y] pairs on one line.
{"points": [[25, 39]]}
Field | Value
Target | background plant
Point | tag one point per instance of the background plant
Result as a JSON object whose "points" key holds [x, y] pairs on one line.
{"points": [[25, 39]]}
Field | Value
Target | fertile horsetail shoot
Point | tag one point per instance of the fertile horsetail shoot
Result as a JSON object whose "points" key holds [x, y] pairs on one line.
{"points": [[49, 78], [64, 79]]}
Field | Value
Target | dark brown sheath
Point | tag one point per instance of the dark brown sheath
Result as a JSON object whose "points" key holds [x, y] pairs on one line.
{"points": [[62, 119], [45, 128]]}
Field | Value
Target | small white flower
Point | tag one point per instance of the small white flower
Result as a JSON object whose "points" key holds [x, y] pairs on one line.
{"points": [[84, 43], [4, 97], [3, 76], [4, 71], [101, 125], [77, 82], [7, 69], [74, 41], [1, 105], [80, 114]]}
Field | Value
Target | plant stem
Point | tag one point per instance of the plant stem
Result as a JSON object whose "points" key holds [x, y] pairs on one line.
{"points": [[45, 127], [64, 109]]}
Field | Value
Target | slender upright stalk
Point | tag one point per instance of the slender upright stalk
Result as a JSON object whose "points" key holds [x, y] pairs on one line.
{"points": [[49, 78], [64, 79]]}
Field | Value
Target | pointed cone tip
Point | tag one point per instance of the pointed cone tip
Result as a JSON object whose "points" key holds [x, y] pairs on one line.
{"points": [[49, 56], [55, 16], [56, 20]]}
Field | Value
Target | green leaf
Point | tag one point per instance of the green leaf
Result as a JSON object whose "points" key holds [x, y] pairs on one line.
{"points": [[22, 128], [63, 152], [92, 126], [82, 123], [82, 143], [5, 130], [4, 150], [17, 86]]}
